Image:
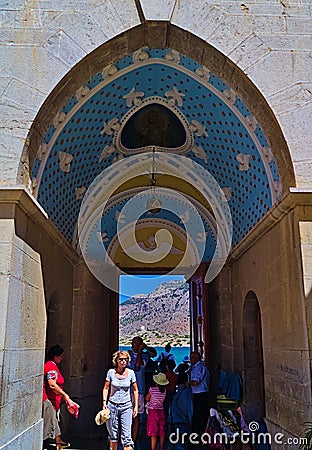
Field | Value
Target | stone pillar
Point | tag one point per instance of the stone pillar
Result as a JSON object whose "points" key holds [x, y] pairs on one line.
{"points": [[305, 230], [225, 311], [94, 338], [22, 342]]}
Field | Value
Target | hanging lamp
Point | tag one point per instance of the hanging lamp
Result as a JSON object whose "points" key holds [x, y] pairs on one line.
{"points": [[153, 204]]}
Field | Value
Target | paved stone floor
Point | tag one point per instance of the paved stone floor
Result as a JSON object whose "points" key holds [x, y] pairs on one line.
{"points": [[143, 442], [88, 445], [100, 445]]}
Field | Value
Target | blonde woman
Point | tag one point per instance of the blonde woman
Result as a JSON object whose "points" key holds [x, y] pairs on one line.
{"points": [[116, 397]]}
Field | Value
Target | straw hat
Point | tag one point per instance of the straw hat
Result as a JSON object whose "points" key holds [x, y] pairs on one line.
{"points": [[102, 416], [161, 379]]}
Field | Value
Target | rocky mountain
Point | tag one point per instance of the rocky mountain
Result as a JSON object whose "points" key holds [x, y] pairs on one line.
{"points": [[159, 317]]}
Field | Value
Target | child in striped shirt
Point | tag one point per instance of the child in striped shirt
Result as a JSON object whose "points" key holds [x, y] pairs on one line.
{"points": [[156, 420]]}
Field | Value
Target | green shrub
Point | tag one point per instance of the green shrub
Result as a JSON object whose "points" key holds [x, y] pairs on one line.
{"points": [[307, 445]]}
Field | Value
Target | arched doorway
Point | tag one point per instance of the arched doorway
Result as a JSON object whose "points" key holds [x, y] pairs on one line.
{"points": [[64, 272], [254, 397], [144, 91], [157, 126]]}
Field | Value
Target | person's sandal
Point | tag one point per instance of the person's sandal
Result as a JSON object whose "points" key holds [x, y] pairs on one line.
{"points": [[60, 446]]}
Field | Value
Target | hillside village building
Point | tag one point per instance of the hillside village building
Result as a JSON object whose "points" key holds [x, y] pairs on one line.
{"points": [[191, 118]]}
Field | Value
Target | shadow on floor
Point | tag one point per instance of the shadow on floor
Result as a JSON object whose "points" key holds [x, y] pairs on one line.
{"points": [[143, 442], [101, 443]]}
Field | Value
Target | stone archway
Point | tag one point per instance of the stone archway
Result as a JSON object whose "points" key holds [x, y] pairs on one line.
{"points": [[153, 35], [85, 136]]}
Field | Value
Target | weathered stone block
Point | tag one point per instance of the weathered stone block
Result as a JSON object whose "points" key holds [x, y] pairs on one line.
{"points": [[162, 9], [250, 50], [22, 340], [226, 41], [30, 439], [4, 289], [198, 17], [279, 69], [305, 229]]}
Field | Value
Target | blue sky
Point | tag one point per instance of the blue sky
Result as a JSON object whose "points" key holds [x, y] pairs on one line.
{"points": [[142, 284]]}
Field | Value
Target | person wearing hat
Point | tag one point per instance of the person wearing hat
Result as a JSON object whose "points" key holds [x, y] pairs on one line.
{"points": [[116, 399], [156, 420]]}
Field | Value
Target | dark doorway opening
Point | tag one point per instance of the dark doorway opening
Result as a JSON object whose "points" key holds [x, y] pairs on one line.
{"points": [[254, 398]]}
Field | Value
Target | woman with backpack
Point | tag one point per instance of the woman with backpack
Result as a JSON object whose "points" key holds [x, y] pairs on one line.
{"points": [[163, 359]]}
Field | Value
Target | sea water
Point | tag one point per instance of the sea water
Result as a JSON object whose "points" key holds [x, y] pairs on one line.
{"points": [[178, 352]]}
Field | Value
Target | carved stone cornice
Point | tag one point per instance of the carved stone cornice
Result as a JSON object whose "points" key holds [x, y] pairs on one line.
{"points": [[17, 199]]}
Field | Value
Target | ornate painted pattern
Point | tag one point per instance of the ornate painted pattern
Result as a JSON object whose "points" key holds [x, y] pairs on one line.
{"points": [[223, 137]]}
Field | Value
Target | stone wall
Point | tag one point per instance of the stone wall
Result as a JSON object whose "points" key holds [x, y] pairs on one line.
{"points": [[94, 339], [22, 342], [57, 261], [269, 41], [82, 318], [29, 281], [272, 268]]}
